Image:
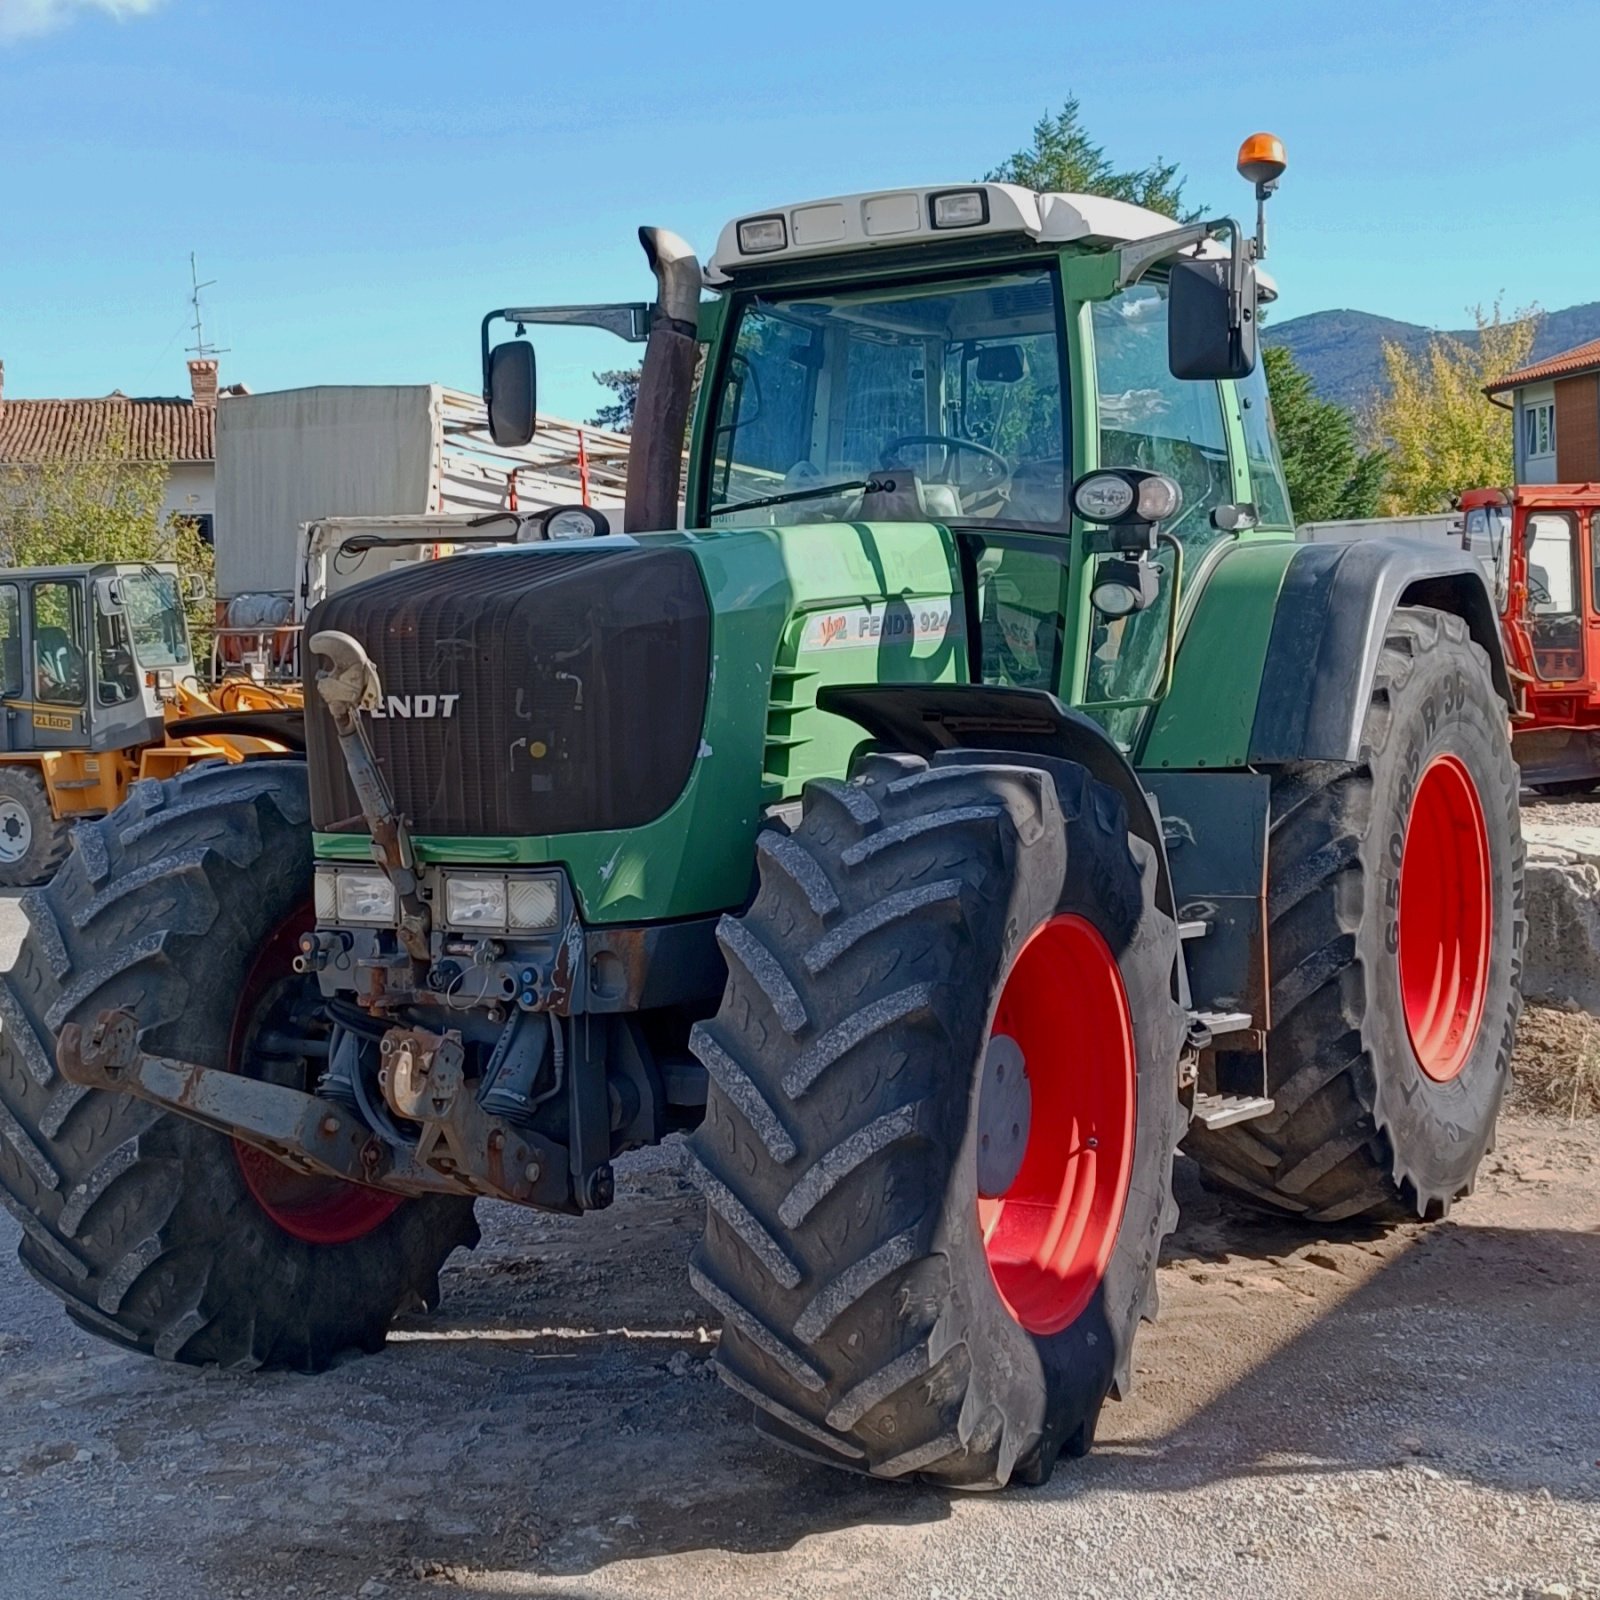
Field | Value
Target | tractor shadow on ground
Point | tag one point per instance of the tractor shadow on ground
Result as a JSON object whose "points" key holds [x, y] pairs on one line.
{"points": [[1460, 1350]]}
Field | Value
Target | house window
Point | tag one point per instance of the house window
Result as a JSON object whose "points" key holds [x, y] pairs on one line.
{"points": [[1539, 429]]}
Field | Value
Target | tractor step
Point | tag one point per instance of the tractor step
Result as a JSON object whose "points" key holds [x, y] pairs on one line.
{"points": [[1223, 1110], [1217, 1023]]}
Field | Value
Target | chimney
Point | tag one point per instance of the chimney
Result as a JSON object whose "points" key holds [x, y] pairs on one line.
{"points": [[203, 382], [2, 380]]}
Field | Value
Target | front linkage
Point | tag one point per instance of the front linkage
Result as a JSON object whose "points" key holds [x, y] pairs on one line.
{"points": [[460, 1148]]}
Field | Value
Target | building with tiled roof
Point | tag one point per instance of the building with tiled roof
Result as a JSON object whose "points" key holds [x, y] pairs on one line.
{"points": [[176, 431], [1556, 410]]}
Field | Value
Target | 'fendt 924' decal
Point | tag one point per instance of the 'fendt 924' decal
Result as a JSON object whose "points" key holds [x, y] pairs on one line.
{"points": [[417, 705], [900, 621]]}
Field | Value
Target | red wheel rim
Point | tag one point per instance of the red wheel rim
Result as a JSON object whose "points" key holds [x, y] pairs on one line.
{"points": [[1049, 1231], [1444, 915], [312, 1209]]}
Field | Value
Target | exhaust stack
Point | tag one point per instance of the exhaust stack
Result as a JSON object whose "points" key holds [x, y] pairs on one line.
{"points": [[666, 385]]}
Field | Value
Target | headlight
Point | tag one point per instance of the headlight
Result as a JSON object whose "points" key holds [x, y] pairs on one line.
{"points": [[576, 522], [959, 208], [759, 236], [1126, 494], [366, 898], [476, 902], [1103, 497]]}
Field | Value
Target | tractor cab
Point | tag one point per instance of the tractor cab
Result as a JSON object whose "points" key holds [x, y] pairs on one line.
{"points": [[1550, 611], [88, 654]]}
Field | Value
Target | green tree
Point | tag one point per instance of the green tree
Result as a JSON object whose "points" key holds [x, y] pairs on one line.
{"points": [[1064, 158], [623, 382], [1443, 434], [1328, 474], [75, 506]]}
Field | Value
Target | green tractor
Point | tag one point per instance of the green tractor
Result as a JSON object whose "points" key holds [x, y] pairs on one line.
{"points": [[981, 795]]}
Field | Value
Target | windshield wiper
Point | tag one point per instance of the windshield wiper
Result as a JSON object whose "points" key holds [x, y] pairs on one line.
{"points": [[821, 491]]}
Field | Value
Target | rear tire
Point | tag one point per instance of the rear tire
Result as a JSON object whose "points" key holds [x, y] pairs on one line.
{"points": [[33, 840], [150, 1227], [1386, 1085], [857, 1070]]}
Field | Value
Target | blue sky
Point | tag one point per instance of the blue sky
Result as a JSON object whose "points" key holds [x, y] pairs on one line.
{"points": [[365, 177]]}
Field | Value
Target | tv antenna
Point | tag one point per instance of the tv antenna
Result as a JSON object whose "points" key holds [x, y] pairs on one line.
{"points": [[200, 348]]}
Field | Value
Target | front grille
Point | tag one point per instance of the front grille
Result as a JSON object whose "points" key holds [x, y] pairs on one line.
{"points": [[580, 680]]}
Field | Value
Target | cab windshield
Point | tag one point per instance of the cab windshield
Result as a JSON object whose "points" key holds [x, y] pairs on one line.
{"points": [[155, 618], [919, 402]]}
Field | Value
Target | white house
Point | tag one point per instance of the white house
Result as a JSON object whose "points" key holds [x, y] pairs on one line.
{"points": [[1555, 406], [178, 432]]}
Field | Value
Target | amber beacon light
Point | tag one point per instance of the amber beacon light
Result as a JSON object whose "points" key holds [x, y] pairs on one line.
{"points": [[1261, 159]]}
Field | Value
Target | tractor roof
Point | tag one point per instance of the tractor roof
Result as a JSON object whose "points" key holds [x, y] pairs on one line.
{"points": [[897, 217]]}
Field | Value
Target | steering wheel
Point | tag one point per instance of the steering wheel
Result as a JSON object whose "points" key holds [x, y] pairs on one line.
{"points": [[989, 491]]}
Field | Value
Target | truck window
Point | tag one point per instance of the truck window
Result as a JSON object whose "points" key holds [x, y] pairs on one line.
{"points": [[1553, 597], [10, 640], [58, 653]]}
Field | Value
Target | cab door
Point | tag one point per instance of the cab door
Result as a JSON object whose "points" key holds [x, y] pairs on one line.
{"points": [[51, 710], [1553, 619]]}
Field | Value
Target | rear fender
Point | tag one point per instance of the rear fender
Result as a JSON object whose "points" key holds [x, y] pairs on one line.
{"points": [[1332, 616]]}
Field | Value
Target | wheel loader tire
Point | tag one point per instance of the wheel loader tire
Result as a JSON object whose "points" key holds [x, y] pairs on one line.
{"points": [[938, 1147], [1395, 901], [184, 906], [33, 840]]}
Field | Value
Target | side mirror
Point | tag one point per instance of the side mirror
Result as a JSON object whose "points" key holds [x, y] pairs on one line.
{"points": [[1002, 363], [107, 596], [195, 588], [1207, 337], [510, 386]]}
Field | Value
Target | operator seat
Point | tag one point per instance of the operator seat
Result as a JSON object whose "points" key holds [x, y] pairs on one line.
{"points": [[896, 494]]}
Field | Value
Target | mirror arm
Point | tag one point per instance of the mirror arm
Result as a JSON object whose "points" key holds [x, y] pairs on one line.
{"points": [[629, 320], [1136, 258]]}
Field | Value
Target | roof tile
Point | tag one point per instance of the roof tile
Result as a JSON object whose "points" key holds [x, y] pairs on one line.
{"points": [[32, 431], [1583, 358]]}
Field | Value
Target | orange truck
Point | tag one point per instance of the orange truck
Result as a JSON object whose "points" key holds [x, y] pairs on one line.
{"points": [[1542, 546]]}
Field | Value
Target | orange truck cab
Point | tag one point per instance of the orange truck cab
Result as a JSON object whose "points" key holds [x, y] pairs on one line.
{"points": [[1544, 549]]}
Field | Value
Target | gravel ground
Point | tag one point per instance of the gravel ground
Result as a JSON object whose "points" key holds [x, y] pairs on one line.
{"points": [[1414, 1413]]}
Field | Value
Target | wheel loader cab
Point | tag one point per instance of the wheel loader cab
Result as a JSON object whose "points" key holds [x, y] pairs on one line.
{"points": [[86, 654]]}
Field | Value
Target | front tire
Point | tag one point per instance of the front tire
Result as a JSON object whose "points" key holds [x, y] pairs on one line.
{"points": [[157, 1232], [1395, 900], [33, 840], [938, 1146]]}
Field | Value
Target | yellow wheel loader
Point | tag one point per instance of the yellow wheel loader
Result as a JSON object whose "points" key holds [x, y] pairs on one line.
{"points": [[97, 690]]}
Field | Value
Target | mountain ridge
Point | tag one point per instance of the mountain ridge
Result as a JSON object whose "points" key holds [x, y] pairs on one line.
{"points": [[1342, 349]]}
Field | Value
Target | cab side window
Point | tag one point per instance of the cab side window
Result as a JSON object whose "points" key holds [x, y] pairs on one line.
{"points": [[58, 653], [1553, 597], [1153, 421], [10, 640]]}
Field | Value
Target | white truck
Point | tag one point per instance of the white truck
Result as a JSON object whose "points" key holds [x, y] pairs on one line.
{"points": [[295, 456]]}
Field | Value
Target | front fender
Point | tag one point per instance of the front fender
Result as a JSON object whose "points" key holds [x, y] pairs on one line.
{"points": [[921, 718]]}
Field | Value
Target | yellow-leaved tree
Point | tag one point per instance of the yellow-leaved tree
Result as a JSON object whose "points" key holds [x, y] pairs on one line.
{"points": [[1441, 432]]}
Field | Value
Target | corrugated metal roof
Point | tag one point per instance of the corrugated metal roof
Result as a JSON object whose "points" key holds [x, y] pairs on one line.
{"points": [[1584, 358], [33, 431]]}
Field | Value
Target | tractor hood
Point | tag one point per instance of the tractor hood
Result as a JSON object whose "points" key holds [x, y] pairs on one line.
{"points": [[529, 691]]}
